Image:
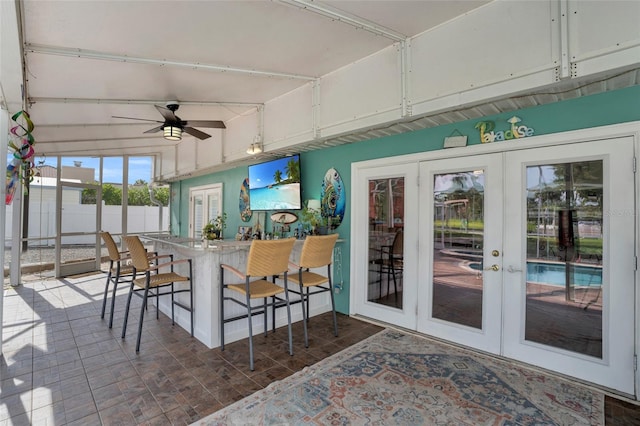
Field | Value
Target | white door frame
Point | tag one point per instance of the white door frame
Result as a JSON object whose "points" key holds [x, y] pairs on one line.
{"points": [[404, 317], [603, 133]]}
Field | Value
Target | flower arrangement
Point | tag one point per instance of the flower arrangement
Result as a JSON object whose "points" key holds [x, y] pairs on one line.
{"points": [[213, 229]]}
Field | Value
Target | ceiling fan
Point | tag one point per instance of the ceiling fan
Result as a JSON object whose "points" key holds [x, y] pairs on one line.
{"points": [[173, 126]]}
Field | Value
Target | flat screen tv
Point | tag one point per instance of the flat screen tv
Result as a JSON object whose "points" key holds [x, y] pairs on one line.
{"points": [[275, 184]]}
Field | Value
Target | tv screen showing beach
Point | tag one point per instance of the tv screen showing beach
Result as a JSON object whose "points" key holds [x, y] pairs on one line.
{"points": [[275, 185]]}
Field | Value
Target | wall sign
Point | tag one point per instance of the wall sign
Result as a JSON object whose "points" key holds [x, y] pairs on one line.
{"points": [[517, 131]]}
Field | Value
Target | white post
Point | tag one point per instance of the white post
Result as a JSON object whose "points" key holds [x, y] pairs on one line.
{"points": [[16, 235], [4, 129]]}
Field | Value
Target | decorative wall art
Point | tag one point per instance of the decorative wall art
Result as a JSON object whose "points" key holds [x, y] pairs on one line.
{"points": [[244, 206], [333, 199], [21, 143], [283, 217], [244, 233], [281, 221], [488, 132]]}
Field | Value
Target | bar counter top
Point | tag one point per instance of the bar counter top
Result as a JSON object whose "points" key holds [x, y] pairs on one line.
{"points": [[196, 244]]}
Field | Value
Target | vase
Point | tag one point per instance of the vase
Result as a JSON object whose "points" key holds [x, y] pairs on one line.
{"points": [[214, 235]]}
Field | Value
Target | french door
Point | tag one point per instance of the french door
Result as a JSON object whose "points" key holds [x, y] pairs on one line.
{"points": [[461, 267], [529, 254], [387, 201], [569, 260]]}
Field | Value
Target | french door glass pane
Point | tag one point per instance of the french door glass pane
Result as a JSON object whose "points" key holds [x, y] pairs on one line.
{"points": [[386, 241], [458, 242], [564, 256]]}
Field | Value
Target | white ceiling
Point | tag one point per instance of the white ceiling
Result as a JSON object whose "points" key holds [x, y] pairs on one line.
{"points": [[218, 58], [87, 61]]}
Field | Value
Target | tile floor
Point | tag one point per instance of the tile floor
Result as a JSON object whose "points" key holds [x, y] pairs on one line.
{"points": [[61, 365]]}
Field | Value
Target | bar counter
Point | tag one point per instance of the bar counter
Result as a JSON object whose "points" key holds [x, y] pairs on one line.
{"points": [[207, 257]]}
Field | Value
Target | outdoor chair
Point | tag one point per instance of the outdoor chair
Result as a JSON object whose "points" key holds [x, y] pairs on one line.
{"points": [[120, 271], [391, 262], [149, 279], [317, 252], [267, 258]]}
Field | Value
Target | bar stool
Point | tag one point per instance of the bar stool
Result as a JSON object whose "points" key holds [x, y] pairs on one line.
{"points": [[153, 283], [267, 258], [317, 252], [119, 272]]}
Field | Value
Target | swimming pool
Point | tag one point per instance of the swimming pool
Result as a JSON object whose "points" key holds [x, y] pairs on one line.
{"points": [[554, 274]]}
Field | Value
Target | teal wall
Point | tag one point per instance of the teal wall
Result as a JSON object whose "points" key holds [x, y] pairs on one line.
{"points": [[591, 111]]}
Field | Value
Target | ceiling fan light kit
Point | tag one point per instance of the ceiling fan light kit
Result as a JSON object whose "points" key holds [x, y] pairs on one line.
{"points": [[172, 133], [173, 126]]}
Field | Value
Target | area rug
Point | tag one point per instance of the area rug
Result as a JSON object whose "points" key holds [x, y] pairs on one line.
{"points": [[396, 378]]}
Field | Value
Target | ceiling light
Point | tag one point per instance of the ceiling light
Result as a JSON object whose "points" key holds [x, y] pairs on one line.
{"points": [[254, 149], [172, 133]]}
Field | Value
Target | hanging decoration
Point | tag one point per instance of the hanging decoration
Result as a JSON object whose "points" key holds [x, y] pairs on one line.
{"points": [[333, 200], [21, 144], [244, 205]]}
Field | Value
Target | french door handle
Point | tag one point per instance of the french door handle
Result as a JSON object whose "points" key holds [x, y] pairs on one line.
{"points": [[493, 267], [513, 270]]}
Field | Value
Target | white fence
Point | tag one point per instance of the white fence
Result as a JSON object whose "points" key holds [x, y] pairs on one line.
{"points": [[82, 218]]}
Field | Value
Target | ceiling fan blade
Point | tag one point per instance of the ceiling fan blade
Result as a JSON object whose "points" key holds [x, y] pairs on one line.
{"points": [[140, 119], [212, 124], [195, 132], [155, 129], [166, 113]]}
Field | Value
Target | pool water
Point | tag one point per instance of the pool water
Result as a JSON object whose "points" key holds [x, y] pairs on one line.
{"points": [[554, 274]]}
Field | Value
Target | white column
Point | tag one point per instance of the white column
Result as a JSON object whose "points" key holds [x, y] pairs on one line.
{"points": [[4, 128], [16, 235]]}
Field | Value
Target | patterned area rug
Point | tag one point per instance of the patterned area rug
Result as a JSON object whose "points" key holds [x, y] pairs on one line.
{"points": [[403, 379]]}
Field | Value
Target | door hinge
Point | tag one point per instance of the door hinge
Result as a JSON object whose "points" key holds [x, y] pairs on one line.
{"points": [[635, 362], [634, 164]]}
